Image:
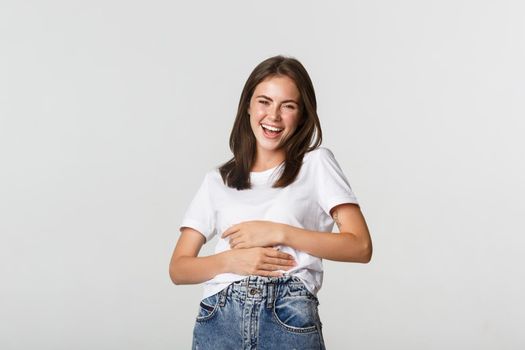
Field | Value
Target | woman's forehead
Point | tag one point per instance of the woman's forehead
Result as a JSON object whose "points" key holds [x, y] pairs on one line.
{"points": [[280, 87]]}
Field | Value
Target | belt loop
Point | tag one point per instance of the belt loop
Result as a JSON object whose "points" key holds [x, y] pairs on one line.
{"points": [[246, 284], [222, 296], [270, 296]]}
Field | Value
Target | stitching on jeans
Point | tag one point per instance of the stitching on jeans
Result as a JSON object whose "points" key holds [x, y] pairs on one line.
{"points": [[222, 297], [206, 307], [309, 329]]}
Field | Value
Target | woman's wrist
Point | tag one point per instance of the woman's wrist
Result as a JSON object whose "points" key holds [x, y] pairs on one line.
{"points": [[282, 234], [224, 261]]}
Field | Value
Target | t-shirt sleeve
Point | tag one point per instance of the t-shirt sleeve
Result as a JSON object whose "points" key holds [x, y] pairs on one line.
{"points": [[200, 214], [333, 187]]}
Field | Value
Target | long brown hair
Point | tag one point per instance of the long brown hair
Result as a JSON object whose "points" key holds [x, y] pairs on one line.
{"points": [[307, 137]]}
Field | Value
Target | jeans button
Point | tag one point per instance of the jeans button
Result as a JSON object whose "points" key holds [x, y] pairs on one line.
{"points": [[253, 291]]}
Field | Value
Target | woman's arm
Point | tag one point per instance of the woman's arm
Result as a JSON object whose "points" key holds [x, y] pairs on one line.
{"points": [[352, 244], [187, 268]]}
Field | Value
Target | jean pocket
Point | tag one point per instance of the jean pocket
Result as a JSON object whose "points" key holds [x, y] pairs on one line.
{"points": [[297, 314], [298, 288], [208, 307]]}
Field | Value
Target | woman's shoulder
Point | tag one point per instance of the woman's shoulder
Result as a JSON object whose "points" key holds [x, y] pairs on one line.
{"points": [[319, 152], [213, 174], [210, 177]]}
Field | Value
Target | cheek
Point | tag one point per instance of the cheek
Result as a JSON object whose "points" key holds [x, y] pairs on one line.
{"points": [[258, 110], [257, 116], [293, 122], [254, 122]]}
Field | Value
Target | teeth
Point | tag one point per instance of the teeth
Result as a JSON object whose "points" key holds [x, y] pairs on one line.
{"points": [[270, 128]]}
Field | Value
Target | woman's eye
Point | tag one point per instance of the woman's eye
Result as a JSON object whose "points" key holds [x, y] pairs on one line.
{"points": [[263, 102], [290, 106]]}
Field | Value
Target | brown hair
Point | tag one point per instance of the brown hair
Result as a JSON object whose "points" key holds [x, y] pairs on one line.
{"points": [[236, 172]]}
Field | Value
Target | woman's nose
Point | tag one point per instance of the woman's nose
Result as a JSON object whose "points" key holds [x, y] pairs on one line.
{"points": [[275, 113]]}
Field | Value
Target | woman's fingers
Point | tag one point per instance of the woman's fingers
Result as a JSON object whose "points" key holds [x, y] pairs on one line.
{"points": [[232, 238], [270, 252], [272, 267], [234, 241], [269, 273], [276, 260], [260, 261], [280, 262]]}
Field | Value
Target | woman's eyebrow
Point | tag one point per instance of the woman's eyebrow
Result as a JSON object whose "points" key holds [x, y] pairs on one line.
{"points": [[266, 97]]}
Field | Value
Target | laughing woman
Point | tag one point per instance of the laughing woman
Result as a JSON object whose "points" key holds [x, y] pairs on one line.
{"points": [[273, 207]]}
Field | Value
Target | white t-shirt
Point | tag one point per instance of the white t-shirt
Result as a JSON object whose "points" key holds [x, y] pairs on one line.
{"points": [[306, 203]]}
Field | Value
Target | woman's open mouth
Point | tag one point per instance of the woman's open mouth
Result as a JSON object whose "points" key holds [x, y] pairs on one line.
{"points": [[270, 131]]}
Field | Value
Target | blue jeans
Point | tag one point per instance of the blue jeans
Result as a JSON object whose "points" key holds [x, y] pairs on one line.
{"points": [[259, 313]]}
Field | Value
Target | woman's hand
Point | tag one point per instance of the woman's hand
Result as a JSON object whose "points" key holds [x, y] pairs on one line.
{"points": [[257, 233], [258, 261]]}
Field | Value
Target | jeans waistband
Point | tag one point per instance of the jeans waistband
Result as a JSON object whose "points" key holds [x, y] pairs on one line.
{"points": [[259, 288]]}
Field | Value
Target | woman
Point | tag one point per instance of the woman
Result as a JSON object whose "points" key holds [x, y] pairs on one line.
{"points": [[273, 206]]}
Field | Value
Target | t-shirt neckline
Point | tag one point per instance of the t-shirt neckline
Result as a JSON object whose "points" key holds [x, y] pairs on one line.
{"points": [[265, 173], [267, 170]]}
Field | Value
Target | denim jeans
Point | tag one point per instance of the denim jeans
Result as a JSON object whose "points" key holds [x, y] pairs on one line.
{"points": [[259, 313]]}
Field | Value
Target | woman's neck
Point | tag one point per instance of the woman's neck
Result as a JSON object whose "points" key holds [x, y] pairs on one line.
{"points": [[267, 160]]}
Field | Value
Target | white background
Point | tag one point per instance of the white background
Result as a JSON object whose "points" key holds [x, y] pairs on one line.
{"points": [[111, 112]]}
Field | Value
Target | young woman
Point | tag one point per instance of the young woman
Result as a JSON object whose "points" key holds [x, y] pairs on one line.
{"points": [[273, 206]]}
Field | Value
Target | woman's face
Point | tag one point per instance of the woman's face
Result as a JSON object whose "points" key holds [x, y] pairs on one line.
{"points": [[275, 103]]}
